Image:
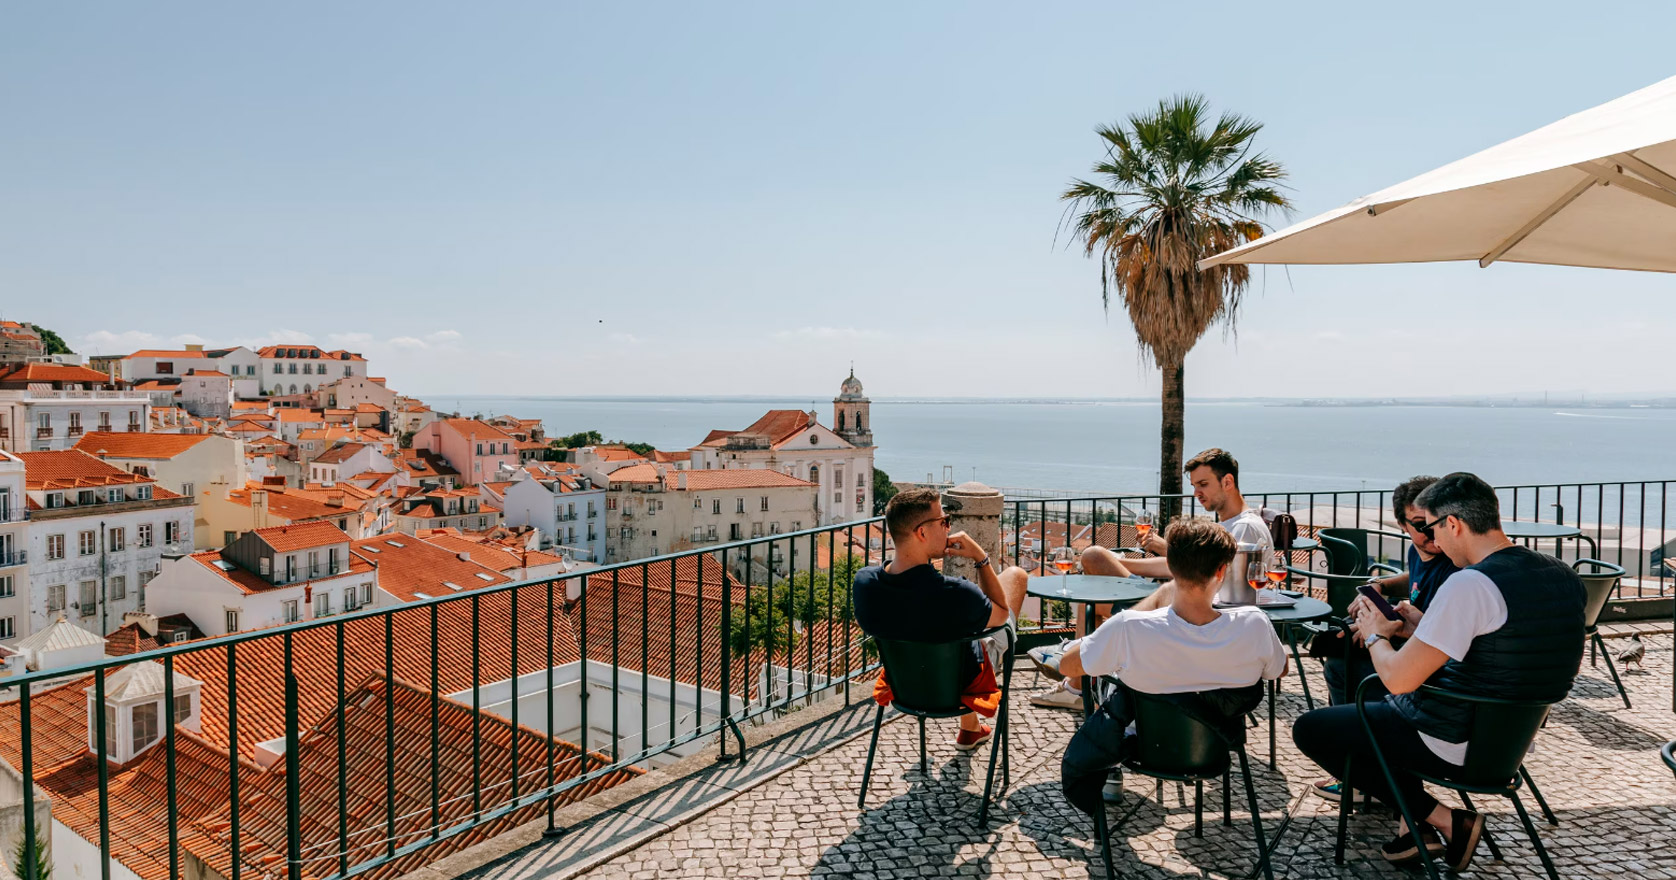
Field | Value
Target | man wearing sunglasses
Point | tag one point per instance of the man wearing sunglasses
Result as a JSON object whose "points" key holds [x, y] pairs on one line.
{"points": [[1509, 624], [907, 598]]}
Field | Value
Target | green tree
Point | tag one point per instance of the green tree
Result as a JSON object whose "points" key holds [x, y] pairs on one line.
{"points": [[1172, 189], [883, 491], [807, 597], [55, 343], [641, 449], [43, 865], [580, 439]]}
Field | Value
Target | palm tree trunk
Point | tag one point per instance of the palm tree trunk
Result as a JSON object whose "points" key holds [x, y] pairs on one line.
{"points": [[1171, 428]]}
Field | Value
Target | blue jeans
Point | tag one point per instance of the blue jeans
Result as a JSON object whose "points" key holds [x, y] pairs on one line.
{"points": [[1094, 750]]}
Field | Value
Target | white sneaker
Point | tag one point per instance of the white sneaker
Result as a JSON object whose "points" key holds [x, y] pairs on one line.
{"points": [[1060, 696]]}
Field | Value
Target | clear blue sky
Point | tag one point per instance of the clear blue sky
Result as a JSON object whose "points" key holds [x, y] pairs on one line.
{"points": [[731, 198]]}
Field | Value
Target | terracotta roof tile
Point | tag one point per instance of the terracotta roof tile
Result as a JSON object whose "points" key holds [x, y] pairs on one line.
{"points": [[122, 444], [73, 468], [408, 566], [56, 373]]}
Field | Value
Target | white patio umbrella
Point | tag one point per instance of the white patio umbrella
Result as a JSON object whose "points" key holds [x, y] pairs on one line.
{"points": [[1597, 188]]}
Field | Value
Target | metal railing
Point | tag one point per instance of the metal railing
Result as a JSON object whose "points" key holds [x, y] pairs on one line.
{"points": [[15, 557], [1631, 523], [771, 616]]}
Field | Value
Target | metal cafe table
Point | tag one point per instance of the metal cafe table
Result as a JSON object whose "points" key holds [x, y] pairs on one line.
{"points": [[1306, 610], [1541, 531], [1089, 590]]}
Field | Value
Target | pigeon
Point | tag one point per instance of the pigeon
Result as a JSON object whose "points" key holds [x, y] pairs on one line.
{"points": [[1634, 653]]}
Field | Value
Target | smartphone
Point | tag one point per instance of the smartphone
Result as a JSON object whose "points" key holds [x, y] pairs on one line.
{"points": [[1373, 595]]}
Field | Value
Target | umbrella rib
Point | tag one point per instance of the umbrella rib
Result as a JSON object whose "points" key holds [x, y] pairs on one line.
{"points": [[1646, 169], [1609, 174], [1542, 217]]}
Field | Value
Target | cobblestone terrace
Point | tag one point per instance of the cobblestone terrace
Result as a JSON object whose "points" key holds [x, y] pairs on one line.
{"points": [[1597, 763]]}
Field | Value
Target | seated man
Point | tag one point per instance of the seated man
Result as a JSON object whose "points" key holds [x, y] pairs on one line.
{"points": [[909, 599], [1428, 567], [1509, 624], [1187, 647], [1215, 477]]}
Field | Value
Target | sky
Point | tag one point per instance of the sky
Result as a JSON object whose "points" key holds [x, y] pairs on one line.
{"points": [[744, 198]]}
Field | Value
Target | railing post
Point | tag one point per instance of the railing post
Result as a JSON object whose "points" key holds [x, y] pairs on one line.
{"points": [[975, 509]]}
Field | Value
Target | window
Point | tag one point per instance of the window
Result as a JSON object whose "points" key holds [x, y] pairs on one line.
{"points": [[89, 598], [113, 495], [860, 480], [183, 703], [322, 604], [837, 498], [118, 539], [145, 725], [279, 368], [482, 522], [797, 525], [142, 493], [133, 419], [292, 371], [765, 502], [773, 528], [288, 610], [6, 589], [87, 496], [228, 537], [55, 500], [479, 449], [165, 368], [332, 559], [738, 505], [232, 620], [351, 599], [366, 594], [837, 476], [55, 598], [142, 534], [105, 421], [87, 542], [314, 563], [348, 371], [75, 423], [7, 628], [188, 489], [171, 532], [118, 587], [290, 567], [716, 505], [44, 421], [698, 504], [55, 548]]}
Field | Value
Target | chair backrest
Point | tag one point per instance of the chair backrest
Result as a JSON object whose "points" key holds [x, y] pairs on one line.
{"points": [[1598, 583], [1341, 589], [1347, 550], [1174, 742], [1500, 737], [925, 676]]}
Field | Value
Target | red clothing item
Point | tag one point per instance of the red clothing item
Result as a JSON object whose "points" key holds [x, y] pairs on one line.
{"points": [[982, 694]]}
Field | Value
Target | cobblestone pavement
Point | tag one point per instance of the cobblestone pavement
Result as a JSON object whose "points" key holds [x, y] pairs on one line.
{"points": [[1597, 763]]}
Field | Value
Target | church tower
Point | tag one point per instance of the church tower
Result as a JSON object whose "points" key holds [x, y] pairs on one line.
{"points": [[852, 418]]}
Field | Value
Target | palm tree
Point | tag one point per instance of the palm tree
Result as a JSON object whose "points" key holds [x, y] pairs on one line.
{"points": [[1172, 190]]}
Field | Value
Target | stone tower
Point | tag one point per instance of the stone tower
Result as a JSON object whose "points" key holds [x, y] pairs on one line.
{"points": [[851, 413]]}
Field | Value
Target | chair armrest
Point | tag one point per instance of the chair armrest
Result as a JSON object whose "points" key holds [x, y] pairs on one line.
{"points": [[1384, 534], [1668, 753], [1599, 567], [1436, 691], [1380, 566]]}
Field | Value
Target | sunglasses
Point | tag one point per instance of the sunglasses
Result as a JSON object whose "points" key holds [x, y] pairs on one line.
{"points": [[1429, 529], [944, 519]]}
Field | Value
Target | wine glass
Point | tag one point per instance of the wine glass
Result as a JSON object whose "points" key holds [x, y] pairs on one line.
{"points": [[1277, 568], [1143, 526], [1257, 573], [1064, 559]]}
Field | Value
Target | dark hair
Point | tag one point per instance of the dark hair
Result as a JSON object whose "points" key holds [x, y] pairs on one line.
{"points": [[1465, 497], [1218, 460], [906, 509], [1197, 548], [1402, 498]]}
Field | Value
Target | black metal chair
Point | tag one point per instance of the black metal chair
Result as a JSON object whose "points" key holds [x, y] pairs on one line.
{"points": [[1347, 548], [1174, 746], [1668, 753], [1501, 734], [1599, 583], [1340, 591], [925, 682]]}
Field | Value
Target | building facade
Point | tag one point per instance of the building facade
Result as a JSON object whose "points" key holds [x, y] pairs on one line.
{"points": [[651, 509], [14, 552], [44, 420], [300, 369]]}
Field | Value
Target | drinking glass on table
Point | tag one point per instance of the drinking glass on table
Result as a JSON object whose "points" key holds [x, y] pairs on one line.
{"points": [[1277, 568], [1257, 574], [1064, 559]]}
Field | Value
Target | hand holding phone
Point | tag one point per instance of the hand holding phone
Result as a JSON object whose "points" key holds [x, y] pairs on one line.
{"points": [[1372, 594]]}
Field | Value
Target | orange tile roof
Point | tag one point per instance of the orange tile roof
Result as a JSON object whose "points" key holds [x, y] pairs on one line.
{"points": [[296, 414], [244, 427], [426, 463], [481, 429], [131, 638], [618, 453], [339, 453], [490, 554], [206, 373], [287, 504], [168, 352], [417, 567], [308, 352], [706, 480], [662, 457], [301, 536], [122, 444], [38, 372], [368, 408], [251, 584], [75, 469]]}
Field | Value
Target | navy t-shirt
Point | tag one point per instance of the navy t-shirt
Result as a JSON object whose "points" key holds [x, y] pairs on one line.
{"points": [[920, 605], [1425, 576]]}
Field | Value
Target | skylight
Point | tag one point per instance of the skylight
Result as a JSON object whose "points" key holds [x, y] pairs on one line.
{"points": [[394, 544], [452, 586], [485, 576]]}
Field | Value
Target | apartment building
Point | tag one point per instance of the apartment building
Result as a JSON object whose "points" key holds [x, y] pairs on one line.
{"points": [[14, 553], [651, 509]]}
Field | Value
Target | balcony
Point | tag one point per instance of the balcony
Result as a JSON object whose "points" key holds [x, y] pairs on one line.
{"points": [[43, 433], [134, 428], [670, 689], [74, 431], [14, 558]]}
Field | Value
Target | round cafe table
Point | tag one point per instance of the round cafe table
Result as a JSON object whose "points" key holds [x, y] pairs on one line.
{"points": [[1089, 590], [1306, 610], [1541, 531]]}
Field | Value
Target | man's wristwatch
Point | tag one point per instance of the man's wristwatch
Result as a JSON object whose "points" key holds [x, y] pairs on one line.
{"points": [[984, 561], [1371, 640]]}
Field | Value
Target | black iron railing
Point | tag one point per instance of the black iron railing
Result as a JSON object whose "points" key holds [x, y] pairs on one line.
{"points": [[1630, 523], [384, 761]]}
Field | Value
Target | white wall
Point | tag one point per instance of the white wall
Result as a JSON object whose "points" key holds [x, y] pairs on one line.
{"points": [[75, 568], [72, 856]]}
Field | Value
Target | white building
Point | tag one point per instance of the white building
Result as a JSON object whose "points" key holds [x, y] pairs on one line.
{"points": [[346, 461], [43, 420], [207, 393], [199, 466], [14, 558], [265, 577], [164, 365], [651, 509], [351, 391], [299, 369], [837, 460], [565, 505], [243, 365], [97, 537]]}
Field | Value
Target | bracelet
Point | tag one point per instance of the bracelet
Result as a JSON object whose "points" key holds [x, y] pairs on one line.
{"points": [[984, 561]]}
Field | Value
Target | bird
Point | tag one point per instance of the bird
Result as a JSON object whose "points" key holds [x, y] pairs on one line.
{"points": [[1636, 651]]}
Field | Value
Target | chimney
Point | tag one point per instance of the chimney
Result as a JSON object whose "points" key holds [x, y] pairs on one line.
{"points": [[274, 481], [334, 501], [194, 346], [464, 556], [681, 480], [812, 418], [147, 622]]}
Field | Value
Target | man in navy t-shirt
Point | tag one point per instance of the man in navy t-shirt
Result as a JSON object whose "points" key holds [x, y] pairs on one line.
{"points": [[908, 599]]}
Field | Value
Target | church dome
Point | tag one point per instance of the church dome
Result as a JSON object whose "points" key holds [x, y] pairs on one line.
{"points": [[851, 387]]}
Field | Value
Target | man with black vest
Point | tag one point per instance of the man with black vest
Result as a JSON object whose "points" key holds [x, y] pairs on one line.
{"points": [[1509, 624]]}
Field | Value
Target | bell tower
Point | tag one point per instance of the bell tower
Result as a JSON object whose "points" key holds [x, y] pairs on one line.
{"points": [[852, 418]]}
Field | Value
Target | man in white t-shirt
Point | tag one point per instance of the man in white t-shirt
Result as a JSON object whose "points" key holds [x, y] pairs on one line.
{"points": [[1215, 478], [1186, 647], [1471, 640]]}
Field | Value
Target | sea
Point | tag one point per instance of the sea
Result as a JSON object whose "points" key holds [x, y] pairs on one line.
{"points": [[1111, 446]]}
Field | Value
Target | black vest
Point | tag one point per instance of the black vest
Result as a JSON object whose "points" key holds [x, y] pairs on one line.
{"points": [[1534, 656]]}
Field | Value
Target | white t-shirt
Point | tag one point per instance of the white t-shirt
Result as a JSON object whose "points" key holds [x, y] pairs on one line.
{"points": [[1466, 606], [1247, 527], [1157, 652]]}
